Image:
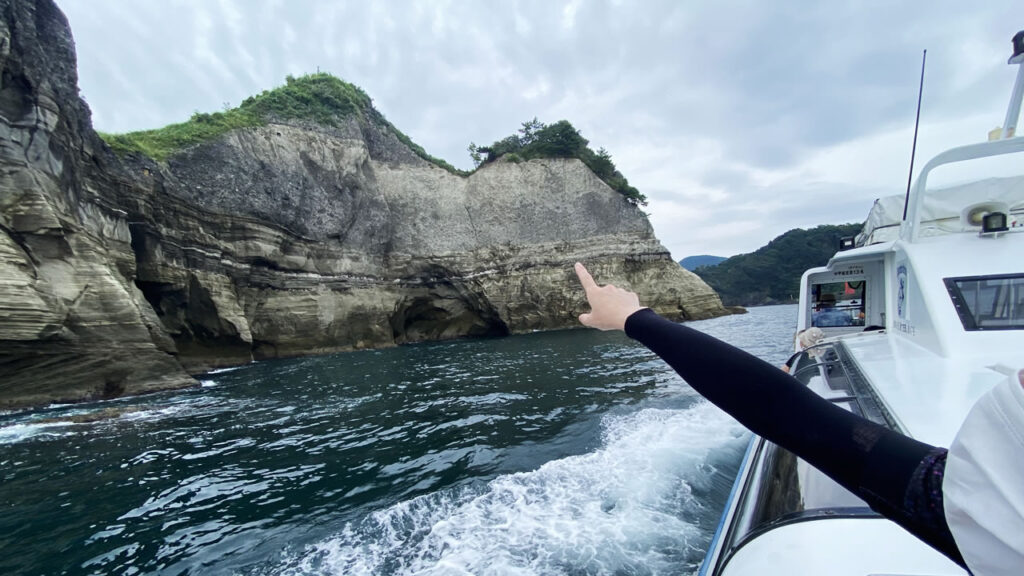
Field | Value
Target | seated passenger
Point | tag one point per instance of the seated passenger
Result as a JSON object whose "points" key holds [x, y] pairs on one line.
{"points": [[805, 339], [828, 315]]}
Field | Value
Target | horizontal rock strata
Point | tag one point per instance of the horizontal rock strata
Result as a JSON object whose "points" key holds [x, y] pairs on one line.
{"points": [[121, 276]]}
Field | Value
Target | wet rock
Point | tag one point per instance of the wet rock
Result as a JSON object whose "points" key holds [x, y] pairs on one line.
{"points": [[100, 415]]}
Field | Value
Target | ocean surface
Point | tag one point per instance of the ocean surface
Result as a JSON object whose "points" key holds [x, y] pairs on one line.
{"points": [[572, 452]]}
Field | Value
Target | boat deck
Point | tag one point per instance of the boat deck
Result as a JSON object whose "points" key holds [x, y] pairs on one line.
{"points": [[897, 368]]}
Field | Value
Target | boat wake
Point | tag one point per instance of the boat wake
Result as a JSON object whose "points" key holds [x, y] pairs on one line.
{"points": [[632, 506]]}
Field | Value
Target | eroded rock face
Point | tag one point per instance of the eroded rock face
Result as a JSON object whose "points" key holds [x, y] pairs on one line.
{"points": [[119, 276], [73, 325]]}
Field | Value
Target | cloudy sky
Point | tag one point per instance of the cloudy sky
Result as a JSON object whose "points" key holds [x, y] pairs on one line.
{"points": [[738, 119]]}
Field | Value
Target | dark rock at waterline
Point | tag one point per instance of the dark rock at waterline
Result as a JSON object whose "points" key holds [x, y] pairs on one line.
{"points": [[93, 416], [123, 275]]}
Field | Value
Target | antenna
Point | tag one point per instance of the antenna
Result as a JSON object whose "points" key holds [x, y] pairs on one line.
{"points": [[917, 122]]}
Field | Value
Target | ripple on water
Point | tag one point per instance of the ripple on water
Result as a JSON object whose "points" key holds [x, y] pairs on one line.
{"points": [[564, 452]]}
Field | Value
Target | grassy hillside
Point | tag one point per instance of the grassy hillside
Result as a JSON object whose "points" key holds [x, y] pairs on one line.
{"points": [[771, 274], [320, 98]]}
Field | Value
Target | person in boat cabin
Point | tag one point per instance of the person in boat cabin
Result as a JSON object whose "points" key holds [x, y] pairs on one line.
{"points": [[828, 315], [966, 501]]}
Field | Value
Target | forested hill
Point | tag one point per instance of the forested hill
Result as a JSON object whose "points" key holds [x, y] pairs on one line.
{"points": [[771, 274]]}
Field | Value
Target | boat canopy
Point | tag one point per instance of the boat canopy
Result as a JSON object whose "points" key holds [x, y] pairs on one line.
{"points": [[942, 208]]}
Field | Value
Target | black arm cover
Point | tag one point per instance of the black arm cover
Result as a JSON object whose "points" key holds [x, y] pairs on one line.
{"points": [[894, 474]]}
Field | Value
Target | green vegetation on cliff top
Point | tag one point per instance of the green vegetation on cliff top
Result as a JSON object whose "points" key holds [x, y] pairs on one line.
{"points": [[771, 274], [558, 140], [324, 99], [320, 98]]}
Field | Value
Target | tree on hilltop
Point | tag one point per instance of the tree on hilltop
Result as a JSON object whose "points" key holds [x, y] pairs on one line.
{"points": [[559, 140]]}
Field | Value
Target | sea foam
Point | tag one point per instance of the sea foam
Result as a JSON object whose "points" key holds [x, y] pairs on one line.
{"points": [[18, 432], [627, 507]]}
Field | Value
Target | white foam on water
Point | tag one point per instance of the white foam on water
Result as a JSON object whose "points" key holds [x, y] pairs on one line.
{"points": [[229, 369], [154, 413], [18, 432], [64, 425], [627, 507]]}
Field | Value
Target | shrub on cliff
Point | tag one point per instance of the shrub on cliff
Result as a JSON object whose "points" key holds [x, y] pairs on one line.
{"points": [[320, 98], [558, 140]]}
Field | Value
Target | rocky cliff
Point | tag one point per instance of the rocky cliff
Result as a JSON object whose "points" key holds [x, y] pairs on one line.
{"points": [[124, 275]]}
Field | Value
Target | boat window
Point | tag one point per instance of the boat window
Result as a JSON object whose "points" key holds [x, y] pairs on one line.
{"points": [[838, 304], [988, 302]]}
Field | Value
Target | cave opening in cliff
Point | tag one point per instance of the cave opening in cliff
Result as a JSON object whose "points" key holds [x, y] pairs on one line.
{"points": [[142, 248], [443, 317]]}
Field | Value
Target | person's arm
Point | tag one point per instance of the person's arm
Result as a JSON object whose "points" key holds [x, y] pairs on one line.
{"points": [[763, 398], [787, 366], [877, 464]]}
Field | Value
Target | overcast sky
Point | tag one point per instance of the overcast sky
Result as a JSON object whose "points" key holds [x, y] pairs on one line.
{"points": [[738, 120]]}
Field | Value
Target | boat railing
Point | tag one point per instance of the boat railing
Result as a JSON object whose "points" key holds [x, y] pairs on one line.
{"points": [[1007, 144], [910, 228]]}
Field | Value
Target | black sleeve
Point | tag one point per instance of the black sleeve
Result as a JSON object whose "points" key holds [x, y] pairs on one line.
{"points": [[877, 464]]}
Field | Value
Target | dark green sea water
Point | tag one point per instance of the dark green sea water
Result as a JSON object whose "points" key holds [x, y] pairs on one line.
{"points": [[573, 452]]}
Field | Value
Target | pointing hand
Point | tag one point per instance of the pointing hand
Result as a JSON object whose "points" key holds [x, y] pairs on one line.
{"points": [[609, 306]]}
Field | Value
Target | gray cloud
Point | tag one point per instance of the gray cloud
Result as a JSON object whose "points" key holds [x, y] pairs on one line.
{"points": [[731, 107]]}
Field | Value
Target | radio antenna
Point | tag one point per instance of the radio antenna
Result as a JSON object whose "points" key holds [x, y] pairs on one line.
{"points": [[917, 122]]}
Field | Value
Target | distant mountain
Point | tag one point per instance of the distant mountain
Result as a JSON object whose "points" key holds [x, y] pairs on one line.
{"points": [[771, 274], [692, 262]]}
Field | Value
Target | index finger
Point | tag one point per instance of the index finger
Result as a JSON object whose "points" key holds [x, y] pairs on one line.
{"points": [[585, 278]]}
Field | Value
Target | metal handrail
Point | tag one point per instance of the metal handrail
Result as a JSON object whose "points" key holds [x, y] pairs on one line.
{"points": [[910, 227]]}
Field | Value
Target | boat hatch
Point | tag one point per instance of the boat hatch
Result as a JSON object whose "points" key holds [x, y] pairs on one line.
{"points": [[988, 302], [783, 489]]}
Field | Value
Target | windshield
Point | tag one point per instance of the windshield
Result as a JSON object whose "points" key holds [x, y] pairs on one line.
{"points": [[838, 304], [989, 302]]}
